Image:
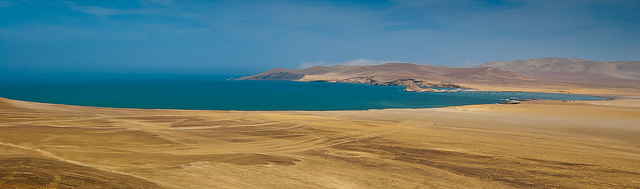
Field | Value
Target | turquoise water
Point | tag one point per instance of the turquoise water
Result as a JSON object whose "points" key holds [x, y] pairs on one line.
{"points": [[215, 93]]}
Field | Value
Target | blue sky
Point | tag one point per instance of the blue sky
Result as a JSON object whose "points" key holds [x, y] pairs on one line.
{"points": [[248, 37]]}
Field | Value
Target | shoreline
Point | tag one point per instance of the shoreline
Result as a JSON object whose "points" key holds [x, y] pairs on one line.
{"points": [[603, 93], [528, 90], [47, 103]]}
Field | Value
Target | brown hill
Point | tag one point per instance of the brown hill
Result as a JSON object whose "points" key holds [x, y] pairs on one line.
{"points": [[573, 70], [540, 75], [389, 74]]}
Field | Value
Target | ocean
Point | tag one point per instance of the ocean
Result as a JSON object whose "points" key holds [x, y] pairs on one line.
{"points": [[216, 93]]}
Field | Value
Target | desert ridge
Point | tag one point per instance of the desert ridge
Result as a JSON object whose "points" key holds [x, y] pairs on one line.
{"points": [[534, 144]]}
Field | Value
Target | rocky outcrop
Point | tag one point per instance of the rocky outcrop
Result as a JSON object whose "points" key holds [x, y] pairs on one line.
{"points": [[363, 80], [420, 83], [398, 82], [414, 88]]}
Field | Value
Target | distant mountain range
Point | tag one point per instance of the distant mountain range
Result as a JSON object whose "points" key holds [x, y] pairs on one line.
{"points": [[519, 72]]}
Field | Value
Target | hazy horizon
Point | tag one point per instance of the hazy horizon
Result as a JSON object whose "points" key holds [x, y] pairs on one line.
{"points": [[248, 37]]}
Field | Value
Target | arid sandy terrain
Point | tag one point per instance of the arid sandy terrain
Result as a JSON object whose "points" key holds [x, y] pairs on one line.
{"points": [[537, 144]]}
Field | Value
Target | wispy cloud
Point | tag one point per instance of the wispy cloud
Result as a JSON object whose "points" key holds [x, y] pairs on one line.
{"points": [[356, 62], [95, 10], [7, 3], [166, 3], [148, 8]]}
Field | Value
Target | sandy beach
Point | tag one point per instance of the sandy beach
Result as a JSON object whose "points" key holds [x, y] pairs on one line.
{"points": [[536, 144]]}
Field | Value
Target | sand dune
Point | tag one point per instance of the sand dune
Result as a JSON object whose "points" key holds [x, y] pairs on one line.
{"points": [[539, 144]]}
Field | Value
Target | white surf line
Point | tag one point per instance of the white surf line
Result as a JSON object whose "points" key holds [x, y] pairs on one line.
{"points": [[51, 155]]}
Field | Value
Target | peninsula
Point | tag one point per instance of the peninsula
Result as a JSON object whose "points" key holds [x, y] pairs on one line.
{"points": [[537, 75]]}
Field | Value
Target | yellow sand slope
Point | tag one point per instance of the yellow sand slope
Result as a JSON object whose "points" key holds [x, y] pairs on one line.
{"points": [[537, 144]]}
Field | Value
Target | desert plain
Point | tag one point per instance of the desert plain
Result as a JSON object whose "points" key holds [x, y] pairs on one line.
{"points": [[536, 144]]}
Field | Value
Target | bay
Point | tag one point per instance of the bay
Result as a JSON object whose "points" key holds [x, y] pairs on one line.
{"points": [[216, 93]]}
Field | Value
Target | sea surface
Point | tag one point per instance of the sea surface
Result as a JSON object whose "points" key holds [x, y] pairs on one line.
{"points": [[216, 93]]}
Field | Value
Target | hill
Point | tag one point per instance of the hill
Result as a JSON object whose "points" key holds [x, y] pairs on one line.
{"points": [[572, 69], [390, 74], [540, 75]]}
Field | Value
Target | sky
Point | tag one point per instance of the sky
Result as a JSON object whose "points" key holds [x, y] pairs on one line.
{"points": [[246, 37]]}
